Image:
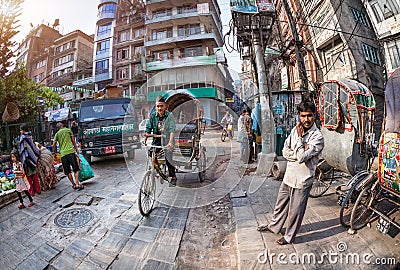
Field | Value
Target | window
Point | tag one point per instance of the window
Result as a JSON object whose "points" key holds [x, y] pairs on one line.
{"points": [[137, 69], [161, 33], [139, 33], [384, 10], [101, 67], [38, 78], [371, 53], [122, 73], [189, 29], [138, 50], [394, 56], [103, 47], [65, 46], [187, 8], [123, 54], [359, 16], [62, 60], [162, 13], [104, 29], [107, 8], [40, 64], [194, 51], [123, 36]]}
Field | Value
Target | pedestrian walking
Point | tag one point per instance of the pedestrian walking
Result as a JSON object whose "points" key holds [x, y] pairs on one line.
{"points": [[247, 129], [75, 126], [239, 138], [47, 174], [162, 123], [301, 149], [68, 147], [29, 155], [21, 182]]}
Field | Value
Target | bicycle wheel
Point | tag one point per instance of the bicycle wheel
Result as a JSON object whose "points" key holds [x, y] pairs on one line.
{"points": [[147, 193], [223, 136], [321, 183], [361, 213]]}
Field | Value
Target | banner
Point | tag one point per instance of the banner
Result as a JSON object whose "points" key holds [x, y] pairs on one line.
{"points": [[245, 6]]}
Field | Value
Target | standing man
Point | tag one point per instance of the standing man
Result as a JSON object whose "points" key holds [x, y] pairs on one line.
{"points": [[161, 127], [247, 129], [301, 149], [66, 141], [29, 154]]}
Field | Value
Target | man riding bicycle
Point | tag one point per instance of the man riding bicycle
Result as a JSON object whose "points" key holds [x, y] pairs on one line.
{"points": [[162, 123], [227, 119]]}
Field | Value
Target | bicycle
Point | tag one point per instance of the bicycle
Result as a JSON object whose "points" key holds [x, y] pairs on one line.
{"points": [[227, 131], [147, 190]]}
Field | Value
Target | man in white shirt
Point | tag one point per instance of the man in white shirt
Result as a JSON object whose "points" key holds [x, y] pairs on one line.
{"points": [[301, 149]]}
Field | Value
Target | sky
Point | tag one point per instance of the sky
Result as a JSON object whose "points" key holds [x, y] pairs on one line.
{"points": [[82, 15]]}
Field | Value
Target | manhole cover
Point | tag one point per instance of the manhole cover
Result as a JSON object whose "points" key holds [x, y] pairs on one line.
{"points": [[74, 218]]}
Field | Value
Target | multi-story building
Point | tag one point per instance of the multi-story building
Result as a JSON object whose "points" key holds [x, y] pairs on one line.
{"points": [[385, 18], [128, 48], [336, 40], [35, 52], [103, 43], [72, 62], [182, 43]]}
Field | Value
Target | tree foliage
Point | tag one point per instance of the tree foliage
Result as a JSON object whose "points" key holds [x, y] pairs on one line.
{"points": [[10, 10], [22, 90]]}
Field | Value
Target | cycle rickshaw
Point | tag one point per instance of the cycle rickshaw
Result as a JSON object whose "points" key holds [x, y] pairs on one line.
{"points": [[347, 109], [381, 197], [188, 153]]}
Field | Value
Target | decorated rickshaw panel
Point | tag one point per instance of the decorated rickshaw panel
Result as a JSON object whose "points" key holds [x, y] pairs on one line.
{"points": [[389, 161]]}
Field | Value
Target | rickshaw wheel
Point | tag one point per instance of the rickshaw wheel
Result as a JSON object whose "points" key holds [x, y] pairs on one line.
{"points": [[147, 193], [322, 182], [347, 205], [361, 213], [201, 166]]}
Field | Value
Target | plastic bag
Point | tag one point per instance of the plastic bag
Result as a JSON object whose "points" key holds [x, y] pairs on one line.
{"points": [[86, 171]]}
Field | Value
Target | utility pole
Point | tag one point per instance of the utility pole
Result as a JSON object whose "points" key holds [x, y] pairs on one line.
{"points": [[299, 56], [253, 25]]}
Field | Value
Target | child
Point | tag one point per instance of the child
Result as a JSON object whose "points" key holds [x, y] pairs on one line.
{"points": [[22, 185]]}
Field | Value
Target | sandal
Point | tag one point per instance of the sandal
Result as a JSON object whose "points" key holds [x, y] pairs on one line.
{"points": [[80, 187], [282, 241], [264, 228]]}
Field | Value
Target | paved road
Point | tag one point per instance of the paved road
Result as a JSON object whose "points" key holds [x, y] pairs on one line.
{"points": [[118, 237]]}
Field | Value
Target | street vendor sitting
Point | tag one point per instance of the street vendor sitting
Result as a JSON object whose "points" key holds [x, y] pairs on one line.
{"points": [[162, 123]]}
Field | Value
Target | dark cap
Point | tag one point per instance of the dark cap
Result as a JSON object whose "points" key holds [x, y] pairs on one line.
{"points": [[160, 99]]}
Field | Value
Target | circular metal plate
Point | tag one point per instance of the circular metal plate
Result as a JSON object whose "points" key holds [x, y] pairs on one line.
{"points": [[74, 218]]}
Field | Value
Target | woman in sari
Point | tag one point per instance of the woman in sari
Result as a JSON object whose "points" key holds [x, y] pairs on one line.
{"points": [[47, 174]]}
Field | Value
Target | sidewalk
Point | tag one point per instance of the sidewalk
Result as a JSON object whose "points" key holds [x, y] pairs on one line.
{"points": [[320, 233]]}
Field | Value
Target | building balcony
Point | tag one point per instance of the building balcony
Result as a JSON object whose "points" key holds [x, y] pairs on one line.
{"points": [[158, 19], [102, 77], [153, 65], [82, 82], [101, 56], [104, 36], [105, 17], [203, 35]]}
